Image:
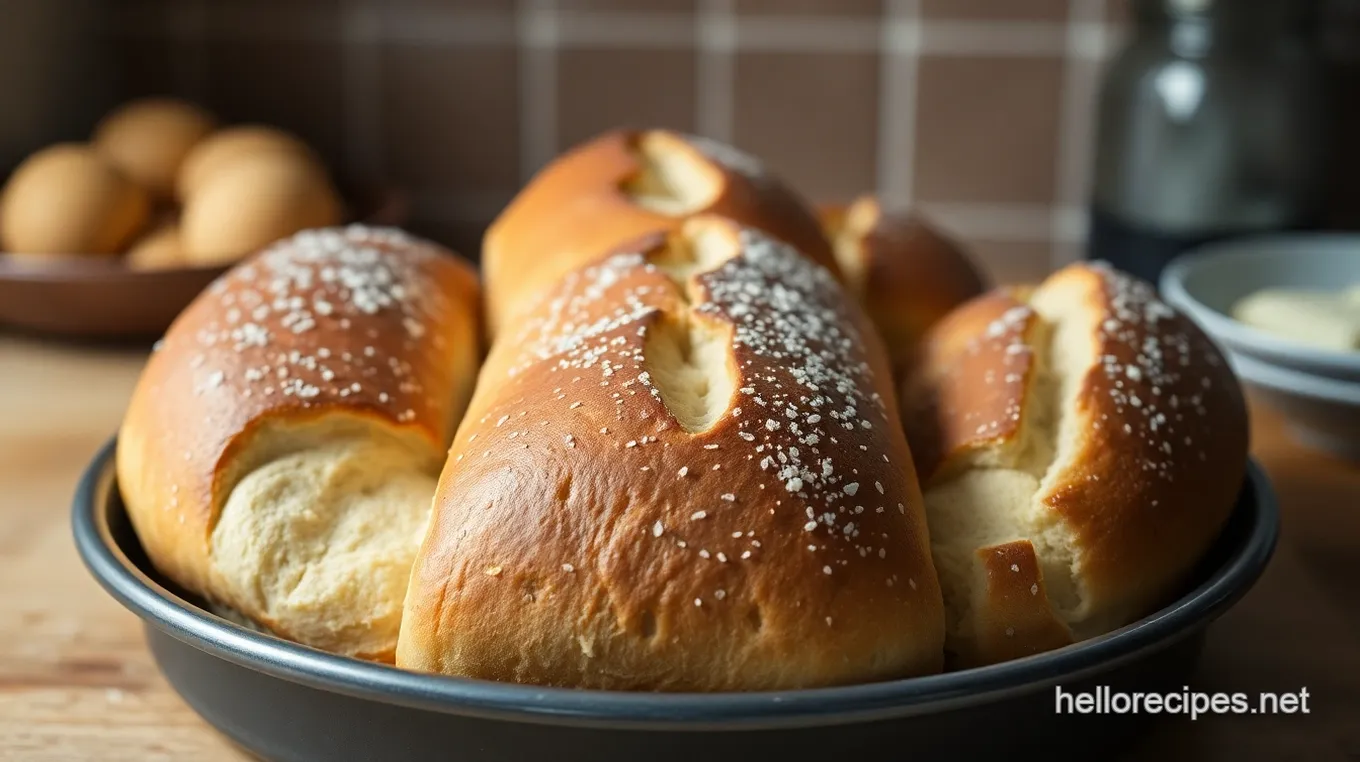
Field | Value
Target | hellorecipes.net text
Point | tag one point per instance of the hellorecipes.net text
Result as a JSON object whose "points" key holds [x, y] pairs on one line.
{"points": [[1103, 700]]}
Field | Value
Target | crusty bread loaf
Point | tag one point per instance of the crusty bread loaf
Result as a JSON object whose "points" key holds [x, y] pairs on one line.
{"points": [[682, 471], [1080, 446], [283, 444], [905, 272], [621, 185]]}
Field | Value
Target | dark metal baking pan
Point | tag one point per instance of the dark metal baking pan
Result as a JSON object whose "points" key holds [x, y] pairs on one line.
{"points": [[283, 701]]}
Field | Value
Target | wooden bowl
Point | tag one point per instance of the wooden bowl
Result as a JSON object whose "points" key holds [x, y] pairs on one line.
{"points": [[95, 299], [101, 298]]}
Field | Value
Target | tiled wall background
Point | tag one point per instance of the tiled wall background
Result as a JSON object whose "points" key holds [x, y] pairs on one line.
{"points": [[977, 111]]}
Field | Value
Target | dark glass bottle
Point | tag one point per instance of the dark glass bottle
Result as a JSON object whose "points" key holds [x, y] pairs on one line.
{"points": [[1211, 124]]}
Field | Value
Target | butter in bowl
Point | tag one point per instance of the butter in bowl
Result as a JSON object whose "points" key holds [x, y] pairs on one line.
{"points": [[1286, 310], [1325, 319]]}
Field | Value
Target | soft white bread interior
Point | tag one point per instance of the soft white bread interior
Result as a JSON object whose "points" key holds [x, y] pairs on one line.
{"points": [[673, 178], [683, 472], [617, 187], [284, 442], [1081, 446], [316, 537]]}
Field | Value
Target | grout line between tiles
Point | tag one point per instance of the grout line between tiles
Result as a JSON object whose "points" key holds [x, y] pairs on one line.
{"points": [[538, 38], [993, 38], [814, 34], [1071, 224], [885, 148], [806, 34], [362, 88], [900, 33], [1116, 30], [646, 29], [715, 79], [540, 30], [1078, 98]]}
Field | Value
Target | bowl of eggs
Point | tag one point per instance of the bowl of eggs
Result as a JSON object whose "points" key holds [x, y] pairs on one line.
{"points": [[114, 236]]}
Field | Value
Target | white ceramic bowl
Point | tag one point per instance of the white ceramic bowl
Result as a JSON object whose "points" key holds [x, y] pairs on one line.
{"points": [[1317, 390], [1320, 412]]}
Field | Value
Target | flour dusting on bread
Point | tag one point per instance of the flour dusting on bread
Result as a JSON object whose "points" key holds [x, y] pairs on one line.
{"points": [[283, 445], [680, 461], [316, 283], [1153, 380], [811, 372], [1068, 427]]}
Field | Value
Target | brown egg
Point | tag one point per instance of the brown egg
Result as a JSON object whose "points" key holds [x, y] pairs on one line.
{"points": [[252, 203], [148, 140], [227, 146], [67, 199], [157, 250]]}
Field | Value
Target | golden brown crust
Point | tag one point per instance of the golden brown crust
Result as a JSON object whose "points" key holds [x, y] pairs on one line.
{"points": [[576, 210], [357, 324], [1016, 617], [1124, 415], [905, 271], [583, 537], [976, 369]]}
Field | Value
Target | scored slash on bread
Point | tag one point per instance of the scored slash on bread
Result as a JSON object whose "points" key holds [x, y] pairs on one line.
{"points": [[282, 444], [622, 185], [1080, 445], [683, 471]]}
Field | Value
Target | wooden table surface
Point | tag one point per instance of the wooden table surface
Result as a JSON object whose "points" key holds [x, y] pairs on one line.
{"points": [[76, 681]]}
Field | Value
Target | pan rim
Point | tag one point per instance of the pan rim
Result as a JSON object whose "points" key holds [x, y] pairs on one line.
{"points": [[164, 610]]}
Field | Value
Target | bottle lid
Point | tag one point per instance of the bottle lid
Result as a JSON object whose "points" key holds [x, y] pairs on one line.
{"points": [[1189, 7]]}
